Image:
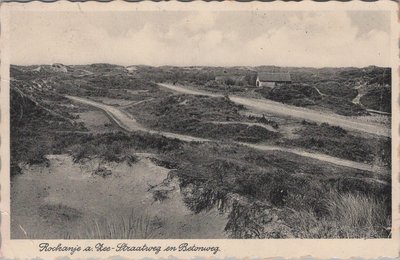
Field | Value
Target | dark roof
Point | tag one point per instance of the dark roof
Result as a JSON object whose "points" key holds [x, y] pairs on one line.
{"points": [[274, 77]]}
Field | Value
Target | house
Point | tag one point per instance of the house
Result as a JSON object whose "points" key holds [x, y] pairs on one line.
{"points": [[272, 79]]}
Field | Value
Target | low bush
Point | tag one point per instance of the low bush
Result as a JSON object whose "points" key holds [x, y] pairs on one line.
{"points": [[332, 88], [160, 195], [341, 106], [349, 216], [113, 147], [378, 98], [338, 142], [337, 100], [289, 92], [269, 184], [247, 221]]}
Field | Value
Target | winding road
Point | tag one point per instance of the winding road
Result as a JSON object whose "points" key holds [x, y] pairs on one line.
{"points": [[268, 127], [268, 106], [128, 123]]}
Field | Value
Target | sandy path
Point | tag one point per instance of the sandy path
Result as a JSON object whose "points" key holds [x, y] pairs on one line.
{"points": [[292, 111], [268, 127], [128, 123], [321, 157], [136, 103]]}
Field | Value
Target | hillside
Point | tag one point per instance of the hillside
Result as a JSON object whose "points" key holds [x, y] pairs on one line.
{"points": [[222, 181]]}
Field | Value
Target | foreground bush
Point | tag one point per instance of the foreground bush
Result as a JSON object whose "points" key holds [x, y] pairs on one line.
{"points": [[348, 216]]}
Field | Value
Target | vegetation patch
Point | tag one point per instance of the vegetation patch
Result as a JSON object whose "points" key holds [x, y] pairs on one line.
{"points": [[378, 98], [266, 194], [135, 226], [281, 186], [57, 213], [336, 89], [348, 215], [336, 141]]}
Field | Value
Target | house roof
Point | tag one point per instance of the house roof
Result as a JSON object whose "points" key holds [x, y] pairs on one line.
{"points": [[274, 77]]}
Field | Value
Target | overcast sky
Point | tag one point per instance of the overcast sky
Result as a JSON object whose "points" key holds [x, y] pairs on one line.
{"points": [[315, 39]]}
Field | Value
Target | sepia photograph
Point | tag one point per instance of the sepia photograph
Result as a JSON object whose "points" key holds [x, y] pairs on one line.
{"points": [[203, 124]]}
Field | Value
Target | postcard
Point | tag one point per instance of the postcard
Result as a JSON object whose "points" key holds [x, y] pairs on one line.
{"points": [[199, 130]]}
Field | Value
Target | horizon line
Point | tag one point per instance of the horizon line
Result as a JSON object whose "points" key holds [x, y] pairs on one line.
{"points": [[210, 66]]}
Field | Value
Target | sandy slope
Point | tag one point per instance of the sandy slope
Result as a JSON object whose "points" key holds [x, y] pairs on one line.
{"points": [[64, 199]]}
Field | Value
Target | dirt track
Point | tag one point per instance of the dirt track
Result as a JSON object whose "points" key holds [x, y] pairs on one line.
{"points": [[268, 127], [268, 106], [129, 124], [321, 157]]}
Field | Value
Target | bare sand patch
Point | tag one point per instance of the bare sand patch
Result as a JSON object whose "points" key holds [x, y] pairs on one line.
{"points": [[96, 121], [65, 199]]}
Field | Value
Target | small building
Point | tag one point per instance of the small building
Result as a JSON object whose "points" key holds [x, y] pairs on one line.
{"points": [[272, 79]]}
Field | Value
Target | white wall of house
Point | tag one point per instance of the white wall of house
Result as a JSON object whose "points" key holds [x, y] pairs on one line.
{"points": [[264, 84], [268, 84]]}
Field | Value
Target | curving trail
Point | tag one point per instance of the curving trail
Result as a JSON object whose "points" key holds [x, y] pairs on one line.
{"points": [[268, 127], [128, 123], [268, 106], [321, 157]]}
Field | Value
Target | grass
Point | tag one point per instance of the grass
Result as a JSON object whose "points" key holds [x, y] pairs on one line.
{"points": [[190, 115], [59, 213], [265, 181], [378, 98], [115, 147], [306, 95], [348, 216], [134, 226], [336, 89], [279, 194], [160, 195], [188, 107], [32, 130], [336, 141]]}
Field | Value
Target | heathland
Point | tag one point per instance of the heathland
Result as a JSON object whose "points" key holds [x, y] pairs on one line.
{"points": [[105, 151]]}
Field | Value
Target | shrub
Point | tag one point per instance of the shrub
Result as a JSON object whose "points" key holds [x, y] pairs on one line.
{"points": [[132, 159], [333, 88], [37, 155], [245, 221], [336, 141], [160, 195], [349, 216], [379, 98]]}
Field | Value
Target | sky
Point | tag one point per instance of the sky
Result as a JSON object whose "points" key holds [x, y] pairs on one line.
{"points": [[221, 38]]}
